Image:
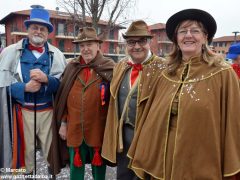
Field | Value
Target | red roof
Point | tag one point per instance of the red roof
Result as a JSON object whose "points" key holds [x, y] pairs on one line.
{"points": [[53, 15], [157, 26], [226, 39]]}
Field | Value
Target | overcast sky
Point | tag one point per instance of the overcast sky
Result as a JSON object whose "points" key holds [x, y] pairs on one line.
{"points": [[225, 12]]}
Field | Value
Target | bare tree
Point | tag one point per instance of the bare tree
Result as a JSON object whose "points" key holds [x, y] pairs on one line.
{"points": [[111, 10]]}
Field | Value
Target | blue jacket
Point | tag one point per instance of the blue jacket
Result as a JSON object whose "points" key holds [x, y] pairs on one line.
{"points": [[28, 62]]}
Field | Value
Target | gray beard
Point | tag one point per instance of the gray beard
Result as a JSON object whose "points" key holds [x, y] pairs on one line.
{"points": [[37, 40]]}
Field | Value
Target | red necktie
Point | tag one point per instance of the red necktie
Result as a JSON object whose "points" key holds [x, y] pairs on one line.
{"points": [[87, 72], [39, 49], [135, 71]]}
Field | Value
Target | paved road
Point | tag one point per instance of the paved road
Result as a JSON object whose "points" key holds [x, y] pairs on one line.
{"points": [[64, 175]]}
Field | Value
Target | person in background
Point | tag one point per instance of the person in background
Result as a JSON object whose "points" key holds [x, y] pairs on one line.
{"points": [[190, 128], [234, 55], [132, 82], [81, 109], [29, 74]]}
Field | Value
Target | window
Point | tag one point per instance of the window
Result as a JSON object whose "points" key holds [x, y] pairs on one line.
{"points": [[122, 49], [61, 45], [14, 27], [111, 48], [99, 30], [111, 34], [76, 30], [60, 29], [77, 47], [166, 38]]}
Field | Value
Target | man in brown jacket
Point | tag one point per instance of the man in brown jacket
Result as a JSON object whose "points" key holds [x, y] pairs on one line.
{"points": [[81, 108], [133, 78]]}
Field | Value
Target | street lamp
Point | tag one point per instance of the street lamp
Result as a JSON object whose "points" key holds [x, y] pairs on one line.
{"points": [[235, 35]]}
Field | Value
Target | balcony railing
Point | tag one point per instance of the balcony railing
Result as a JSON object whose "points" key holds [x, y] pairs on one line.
{"points": [[17, 31]]}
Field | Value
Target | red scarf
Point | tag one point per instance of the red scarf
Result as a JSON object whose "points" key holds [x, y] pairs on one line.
{"points": [[135, 71], [236, 68], [87, 72]]}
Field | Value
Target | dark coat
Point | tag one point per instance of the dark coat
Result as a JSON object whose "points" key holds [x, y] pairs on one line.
{"points": [[58, 154]]}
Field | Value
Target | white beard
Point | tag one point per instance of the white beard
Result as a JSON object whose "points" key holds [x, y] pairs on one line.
{"points": [[37, 40]]}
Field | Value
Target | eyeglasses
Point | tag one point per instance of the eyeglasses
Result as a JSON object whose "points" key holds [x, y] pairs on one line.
{"points": [[141, 42], [42, 29], [195, 31]]}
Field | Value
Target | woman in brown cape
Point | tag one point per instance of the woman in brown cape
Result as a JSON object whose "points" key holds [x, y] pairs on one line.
{"points": [[190, 128]]}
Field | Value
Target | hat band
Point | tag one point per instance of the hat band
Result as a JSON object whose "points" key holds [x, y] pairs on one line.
{"points": [[38, 20], [138, 33]]}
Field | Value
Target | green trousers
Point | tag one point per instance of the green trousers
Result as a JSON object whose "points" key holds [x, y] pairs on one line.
{"points": [[86, 152]]}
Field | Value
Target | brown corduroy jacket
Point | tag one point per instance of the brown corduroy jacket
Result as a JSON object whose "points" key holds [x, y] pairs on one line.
{"points": [[86, 116]]}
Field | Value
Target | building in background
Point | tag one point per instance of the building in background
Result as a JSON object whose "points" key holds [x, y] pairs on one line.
{"points": [[114, 44], [63, 33], [222, 44], [160, 45]]}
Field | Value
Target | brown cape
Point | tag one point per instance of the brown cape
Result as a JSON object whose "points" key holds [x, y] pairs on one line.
{"points": [[207, 142], [148, 77]]}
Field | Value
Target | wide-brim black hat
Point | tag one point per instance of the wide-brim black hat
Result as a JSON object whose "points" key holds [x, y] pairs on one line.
{"points": [[191, 14]]}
